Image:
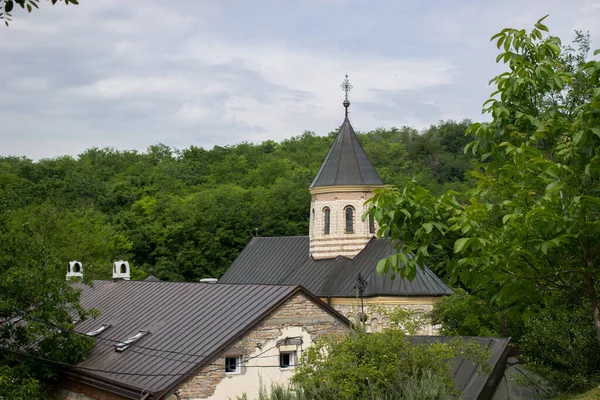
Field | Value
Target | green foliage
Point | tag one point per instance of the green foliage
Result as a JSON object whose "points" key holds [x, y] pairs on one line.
{"points": [[559, 343], [593, 394], [7, 6], [187, 214], [428, 386], [37, 308], [530, 226], [380, 366], [463, 314]]}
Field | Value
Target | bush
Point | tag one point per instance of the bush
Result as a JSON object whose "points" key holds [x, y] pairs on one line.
{"points": [[379, 366]]}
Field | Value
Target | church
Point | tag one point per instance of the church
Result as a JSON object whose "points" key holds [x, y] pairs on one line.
{"points": [[337, 260]]}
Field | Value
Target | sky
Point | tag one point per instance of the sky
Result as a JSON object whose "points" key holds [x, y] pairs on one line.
{"points": [[135, 73]]}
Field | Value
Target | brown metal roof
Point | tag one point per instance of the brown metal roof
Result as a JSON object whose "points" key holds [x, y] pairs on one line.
{"points": [[287, 260], [346, 163], [197, 319]]}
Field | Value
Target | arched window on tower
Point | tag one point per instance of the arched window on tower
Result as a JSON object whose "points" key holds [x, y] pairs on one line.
{"points": [[371, 224], [326, 220], [349, 219]]}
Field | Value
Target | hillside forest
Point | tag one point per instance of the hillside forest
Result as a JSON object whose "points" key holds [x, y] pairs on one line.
{"points": [[184, 215]]}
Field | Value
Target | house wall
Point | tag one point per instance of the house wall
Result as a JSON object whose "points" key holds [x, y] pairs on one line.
{"points": [[378, 310], [298, 316], [338, 242]]}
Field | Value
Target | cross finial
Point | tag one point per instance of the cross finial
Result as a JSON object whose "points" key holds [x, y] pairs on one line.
{"points": [[346, 87]]}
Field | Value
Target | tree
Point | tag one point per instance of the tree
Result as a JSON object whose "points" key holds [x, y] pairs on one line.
{"points": [[531, 225], [383, 365], [37, 308], [7, 6]]}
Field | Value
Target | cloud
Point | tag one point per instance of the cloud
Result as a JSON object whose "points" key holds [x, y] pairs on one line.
{"points": [[136, 73]]}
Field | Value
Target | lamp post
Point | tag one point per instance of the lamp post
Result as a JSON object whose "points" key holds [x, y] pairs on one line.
{"points": [[361, 285]]}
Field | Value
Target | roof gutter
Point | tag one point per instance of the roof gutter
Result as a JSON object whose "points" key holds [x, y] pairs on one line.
{"points": [[110, 386]]}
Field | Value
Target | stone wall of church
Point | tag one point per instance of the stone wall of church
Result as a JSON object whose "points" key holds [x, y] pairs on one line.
{"points": [[378, 313], [339, 242], [299, 317]]}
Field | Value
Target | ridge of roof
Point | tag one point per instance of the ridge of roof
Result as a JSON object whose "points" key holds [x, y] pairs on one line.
{"points": [[346, 162], [288, 261]]}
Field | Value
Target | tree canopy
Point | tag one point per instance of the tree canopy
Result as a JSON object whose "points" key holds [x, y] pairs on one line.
{"points": [[527, 234]]}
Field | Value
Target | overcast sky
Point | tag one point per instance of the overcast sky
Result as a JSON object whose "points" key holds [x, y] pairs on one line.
{"points": [[129, 74]]}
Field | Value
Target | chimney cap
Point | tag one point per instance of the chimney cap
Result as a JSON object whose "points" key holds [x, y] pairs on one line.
{"points": [[121, 270], [75, 270]]}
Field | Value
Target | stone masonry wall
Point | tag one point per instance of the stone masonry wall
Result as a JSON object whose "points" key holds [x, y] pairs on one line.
{"points": [[338, 242], [297, 316], [378, 315]]}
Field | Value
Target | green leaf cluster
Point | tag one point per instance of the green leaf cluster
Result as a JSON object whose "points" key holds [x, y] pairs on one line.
{"points": [[38, 309], [382, 365], [529, 228]]}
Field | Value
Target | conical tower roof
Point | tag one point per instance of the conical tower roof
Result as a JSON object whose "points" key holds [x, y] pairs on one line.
{"points": [[346, 163]]}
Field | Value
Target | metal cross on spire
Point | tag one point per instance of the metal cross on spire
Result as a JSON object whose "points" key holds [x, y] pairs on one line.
{"points": [[346, 87]]}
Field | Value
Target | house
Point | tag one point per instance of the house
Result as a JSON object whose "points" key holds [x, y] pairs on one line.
{"points": [[178, 340], [340, 245]]}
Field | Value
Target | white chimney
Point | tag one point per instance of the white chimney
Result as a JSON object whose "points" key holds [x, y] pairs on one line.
{"points": [[121, 270], [75, 270]]}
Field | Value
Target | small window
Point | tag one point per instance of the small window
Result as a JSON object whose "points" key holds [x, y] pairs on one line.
{"points": [[287, 360], [371, 224], [98, 331], [349, 219], [120, 347], [233, 365], [123, 268], [326, 220], [77, 267]]}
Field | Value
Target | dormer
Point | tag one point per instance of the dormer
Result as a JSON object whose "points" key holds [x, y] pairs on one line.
{"points": [[121, 270], [75, 270]]}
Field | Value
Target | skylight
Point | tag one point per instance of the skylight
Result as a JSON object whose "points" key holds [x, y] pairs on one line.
{"points": [[129, 341], [98, 331]]}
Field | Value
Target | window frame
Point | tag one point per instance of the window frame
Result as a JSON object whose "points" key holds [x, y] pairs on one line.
{"points": [[125, 344], [326, 220], [291, 364], [238, 365], [349, 221]]}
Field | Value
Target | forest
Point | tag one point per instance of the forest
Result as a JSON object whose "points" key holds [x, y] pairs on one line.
{"points": [[186, 214]]}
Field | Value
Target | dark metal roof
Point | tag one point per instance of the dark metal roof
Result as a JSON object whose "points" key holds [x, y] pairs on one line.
{"points": [[346, 163], [287, 261], [200, 319], [465, 373]]}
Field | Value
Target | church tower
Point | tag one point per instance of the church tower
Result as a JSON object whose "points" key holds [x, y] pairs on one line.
{"points": [[344, 183]]}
